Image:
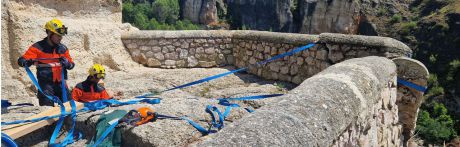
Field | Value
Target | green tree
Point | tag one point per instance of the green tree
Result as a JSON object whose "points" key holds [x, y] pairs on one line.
{"points": [[128, 12], [437, 128], [166, 11], [140, 21]]}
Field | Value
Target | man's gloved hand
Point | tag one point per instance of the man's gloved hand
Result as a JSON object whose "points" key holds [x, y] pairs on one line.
{"points": [[65, 63], [25, 62]]}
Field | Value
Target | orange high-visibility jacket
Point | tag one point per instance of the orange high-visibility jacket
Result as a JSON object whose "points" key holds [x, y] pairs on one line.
{"points": [[48, 70], [88, 91]]}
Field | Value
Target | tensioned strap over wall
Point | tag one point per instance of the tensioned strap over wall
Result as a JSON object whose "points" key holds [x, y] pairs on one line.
{"points": [[350, 103]]}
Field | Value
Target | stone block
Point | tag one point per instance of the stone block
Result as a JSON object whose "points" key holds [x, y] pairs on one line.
{"points": [[260, 48], [273, 51], [164, 50], [321, 54], [310, 61], [249, 53], [177, 44], [183, 54], [274, 66], [210, 50], [227, 51], [184, 45], [199, 50], [284, 70], [192, 61], [336, 56], [252, 60], [152, 62], [297, 79], [131, 45], [149, 54], [159, 56], [153, 42], [294, 69], [170, 63], [230, 60], [267, 50], [300, 60], [207, 64], [156, 49], [180, 63]]}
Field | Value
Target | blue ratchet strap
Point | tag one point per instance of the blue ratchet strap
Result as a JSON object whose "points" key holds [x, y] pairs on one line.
{"points": [[206, 79], [54, 99], [59, 124], [219, 125], [411, 85], [299, 49], [225, 102], [101, 104], [197, 126], [69, 139], [8, 141], [234, 71]]}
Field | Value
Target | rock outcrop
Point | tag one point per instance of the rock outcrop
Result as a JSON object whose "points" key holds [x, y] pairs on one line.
{"points": [[272, 15], [199, 11]]}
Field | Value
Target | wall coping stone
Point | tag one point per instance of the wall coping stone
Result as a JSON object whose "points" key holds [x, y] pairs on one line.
{"points": [[390, 44]]}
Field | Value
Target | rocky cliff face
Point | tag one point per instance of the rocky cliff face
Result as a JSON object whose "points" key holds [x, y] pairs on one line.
{"points": [[272, 15], [366, 17], [338, 16], [199, 11]]}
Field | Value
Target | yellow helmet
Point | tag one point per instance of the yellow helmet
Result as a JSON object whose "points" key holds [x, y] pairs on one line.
{"points": [[56, 26], [97, 70]]}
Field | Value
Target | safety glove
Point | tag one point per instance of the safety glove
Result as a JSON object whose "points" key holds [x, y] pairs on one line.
{"points": [[25, 62], [65, 63]]}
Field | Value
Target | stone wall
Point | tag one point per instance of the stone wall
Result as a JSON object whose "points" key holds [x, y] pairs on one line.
{"points": [[348, 104], [177, 49]]}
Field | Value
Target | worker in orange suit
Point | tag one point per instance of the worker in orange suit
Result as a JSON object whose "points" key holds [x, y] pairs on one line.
{"points": [[50, 56], [90, 89]]}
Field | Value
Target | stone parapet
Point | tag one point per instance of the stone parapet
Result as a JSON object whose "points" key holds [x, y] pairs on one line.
{"points": [[350, 103], [199, 48]]}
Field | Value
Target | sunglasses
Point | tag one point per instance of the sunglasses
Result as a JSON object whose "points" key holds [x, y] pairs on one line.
{"points": [[62, 30]]}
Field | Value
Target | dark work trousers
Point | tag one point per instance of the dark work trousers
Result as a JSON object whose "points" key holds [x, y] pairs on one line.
{"points": [[51, 89]]}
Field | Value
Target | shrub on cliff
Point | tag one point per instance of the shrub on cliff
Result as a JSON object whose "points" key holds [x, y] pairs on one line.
{"points": [[156, 15], [437, 127]]}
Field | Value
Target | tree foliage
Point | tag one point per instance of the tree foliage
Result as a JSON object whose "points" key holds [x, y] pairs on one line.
{"points": [[437, 127]]}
